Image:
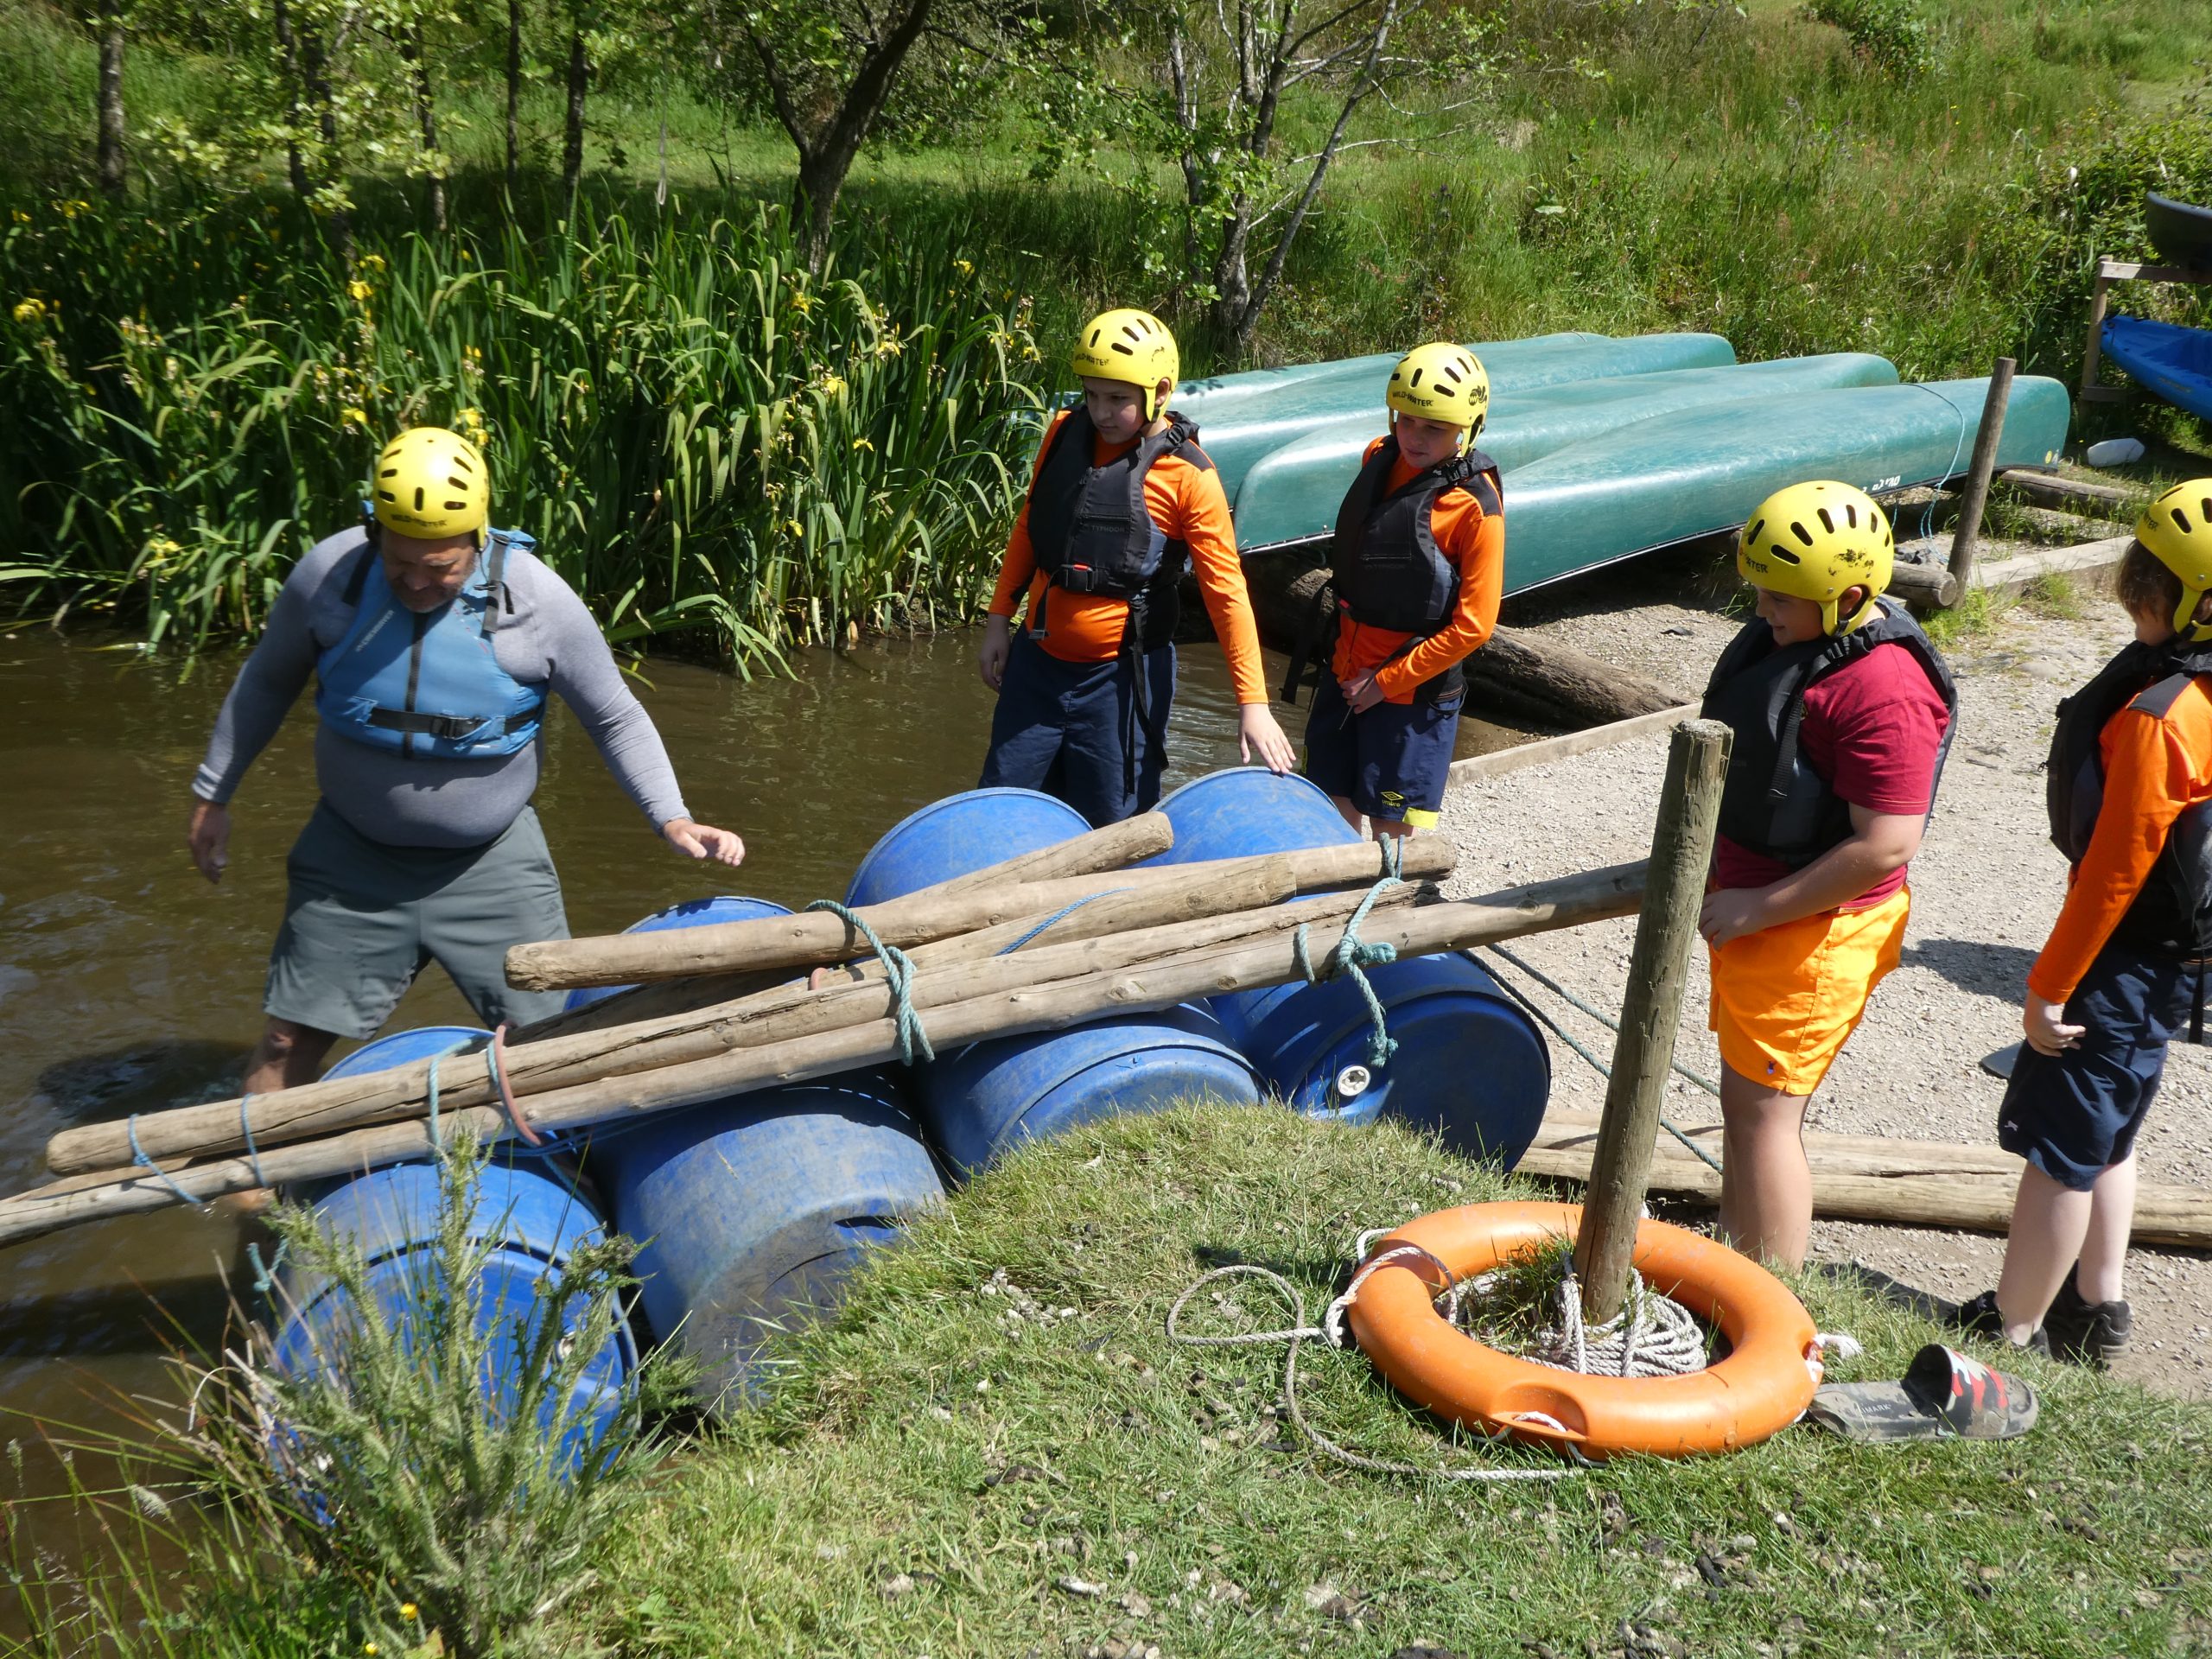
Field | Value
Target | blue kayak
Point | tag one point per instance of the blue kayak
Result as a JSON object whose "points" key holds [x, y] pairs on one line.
{"points": [[2165, 357]]}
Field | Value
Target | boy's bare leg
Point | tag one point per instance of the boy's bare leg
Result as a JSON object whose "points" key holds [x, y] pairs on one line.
{"points": [[2103, 1276], [2050, 1225], [287, 1056], [1766, 1185], [1396, 829], [1353, 816]]}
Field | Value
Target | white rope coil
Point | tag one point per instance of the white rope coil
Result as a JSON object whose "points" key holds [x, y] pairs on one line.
{"points": [[1651, 1335]]}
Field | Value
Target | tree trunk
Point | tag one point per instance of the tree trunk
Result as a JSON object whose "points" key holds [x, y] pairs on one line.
{"points": [[295, 116], [572, 146], [314, 64], [111, 175], [426, 121], [514, 95]]}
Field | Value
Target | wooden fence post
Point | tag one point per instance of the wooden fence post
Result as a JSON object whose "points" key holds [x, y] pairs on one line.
{"points": [[1666, 933], [1985, 462]]}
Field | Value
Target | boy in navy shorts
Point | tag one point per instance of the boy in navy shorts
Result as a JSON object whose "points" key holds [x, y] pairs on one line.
{"points": [[1417, 569], [2130, 795]]}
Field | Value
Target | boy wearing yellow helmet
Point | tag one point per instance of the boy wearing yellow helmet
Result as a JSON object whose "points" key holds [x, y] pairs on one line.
{"points": [[1417, 569], [1122, 502], [2130, 797], [1842, 711], [434, 641]]}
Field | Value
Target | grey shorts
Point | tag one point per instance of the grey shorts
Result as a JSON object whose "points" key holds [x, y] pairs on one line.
{"points": [[361, 919]]}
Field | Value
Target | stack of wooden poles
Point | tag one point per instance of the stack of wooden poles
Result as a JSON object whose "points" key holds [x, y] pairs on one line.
{"points": [[1047, 940]]}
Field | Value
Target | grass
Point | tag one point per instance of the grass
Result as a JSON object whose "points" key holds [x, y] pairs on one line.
{"points": [[940, 1478]]}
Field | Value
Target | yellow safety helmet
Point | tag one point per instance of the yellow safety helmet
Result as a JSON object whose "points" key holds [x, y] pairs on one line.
{"points": [[2177, 529], [1442, 382], [431, 483], [1133, 347], [1814, 541]]}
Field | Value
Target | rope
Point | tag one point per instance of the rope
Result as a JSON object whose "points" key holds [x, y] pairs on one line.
{"points": [[1057, 916], [1599, 1066], [1652, 1335], [1354, 957], [498, 1074], [1329, 1331], [898, 973], [139, 1158], [245, 1132]]}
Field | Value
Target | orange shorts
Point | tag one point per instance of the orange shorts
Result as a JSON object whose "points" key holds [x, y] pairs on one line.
{"points": [[1785, 999]]}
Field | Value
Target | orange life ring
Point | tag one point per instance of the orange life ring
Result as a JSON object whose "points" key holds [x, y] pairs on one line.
{"points": [[1763, 1386]]}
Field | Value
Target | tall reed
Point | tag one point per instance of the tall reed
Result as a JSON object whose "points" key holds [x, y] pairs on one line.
{"points": [[701, 435]]}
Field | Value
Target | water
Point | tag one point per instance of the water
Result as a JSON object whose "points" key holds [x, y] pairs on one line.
{"points": [[128, 984]]}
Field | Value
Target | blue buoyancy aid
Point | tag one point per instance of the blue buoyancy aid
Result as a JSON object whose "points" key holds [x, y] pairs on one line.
{"points": [[427, 684]]}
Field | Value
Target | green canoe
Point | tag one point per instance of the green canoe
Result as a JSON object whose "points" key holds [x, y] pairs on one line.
{"points": [[1666, 481], [1291, 493], [1243, 417]]}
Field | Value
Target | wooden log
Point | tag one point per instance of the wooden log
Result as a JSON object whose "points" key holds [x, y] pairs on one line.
{"points": [[2010, 575], [2052, 491], [1546, 750], [1190, 915], [1975, 496], [815, 938], [1108, 848], [1597, 895], [1515, 672], [1643, 1049], [1914, 1190], [1926, 587]]}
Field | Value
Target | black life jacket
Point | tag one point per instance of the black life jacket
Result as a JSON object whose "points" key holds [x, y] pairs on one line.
{"points": [[1091, 532], [1774, 804], [1385, 568], [2173, 915]]}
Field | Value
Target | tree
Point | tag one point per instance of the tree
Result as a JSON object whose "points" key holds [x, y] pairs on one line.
{"points": [[113, 178], [828, 68], [432, 163], [514, 94]]}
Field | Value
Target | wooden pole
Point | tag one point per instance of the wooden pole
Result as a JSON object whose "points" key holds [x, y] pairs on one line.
{"points": [[1546, 750], [1511, 914], [815, 937], [1644, 1052], [1158, 922], [1976, 496], [1130, 841]]}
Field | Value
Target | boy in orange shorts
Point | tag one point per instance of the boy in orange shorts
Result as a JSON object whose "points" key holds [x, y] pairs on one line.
{"points": [[2130, 794], [1842, 711]]}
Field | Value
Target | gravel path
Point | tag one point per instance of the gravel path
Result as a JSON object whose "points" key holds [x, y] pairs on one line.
{"points": [[1986, 888]]}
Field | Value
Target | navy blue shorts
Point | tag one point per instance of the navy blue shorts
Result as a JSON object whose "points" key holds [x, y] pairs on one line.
{"points": [[1391, 762], [2075, 1115], [1073, 730]]}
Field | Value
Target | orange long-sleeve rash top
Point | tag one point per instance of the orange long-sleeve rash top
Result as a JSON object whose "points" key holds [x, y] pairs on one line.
{"points": [[1475, 541], [2156, 768], [1187, 502]]}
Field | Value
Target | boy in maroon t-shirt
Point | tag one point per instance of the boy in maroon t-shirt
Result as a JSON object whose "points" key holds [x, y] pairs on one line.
{"points": [[1842, 711]]}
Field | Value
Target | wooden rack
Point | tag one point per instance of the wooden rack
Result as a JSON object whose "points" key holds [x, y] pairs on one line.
{"points": [[2122, 271]]}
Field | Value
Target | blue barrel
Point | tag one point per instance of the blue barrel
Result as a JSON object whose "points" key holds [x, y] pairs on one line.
{"points": [[978, 1100], [529, 1206], [1469, 1063], [692, 912], [958, 836], [751, 1212]]}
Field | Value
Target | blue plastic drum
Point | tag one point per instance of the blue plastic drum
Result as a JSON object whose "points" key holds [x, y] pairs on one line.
{"points": [[530, 1207], [1469, 1063], [982, 1098], [751, 1212]]}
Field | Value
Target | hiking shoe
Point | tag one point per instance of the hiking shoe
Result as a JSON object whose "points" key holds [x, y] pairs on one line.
{"points": [[1979, 1317], [2087, 1333]]}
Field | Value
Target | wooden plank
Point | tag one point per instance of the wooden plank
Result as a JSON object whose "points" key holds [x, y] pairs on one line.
{"points": [[1916, 1190], [2052, 491], [1574, 743]]}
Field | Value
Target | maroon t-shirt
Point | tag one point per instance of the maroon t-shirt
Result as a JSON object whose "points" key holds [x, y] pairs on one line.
{"points": [[1873, 729]]}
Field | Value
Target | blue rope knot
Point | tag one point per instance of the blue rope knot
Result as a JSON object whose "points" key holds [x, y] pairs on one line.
{"points": [[139, 1157], [898, 974], [1352, 956]]}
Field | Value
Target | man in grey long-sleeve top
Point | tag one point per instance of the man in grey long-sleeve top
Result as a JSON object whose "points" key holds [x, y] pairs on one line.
{"points": [[435, 641]]}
